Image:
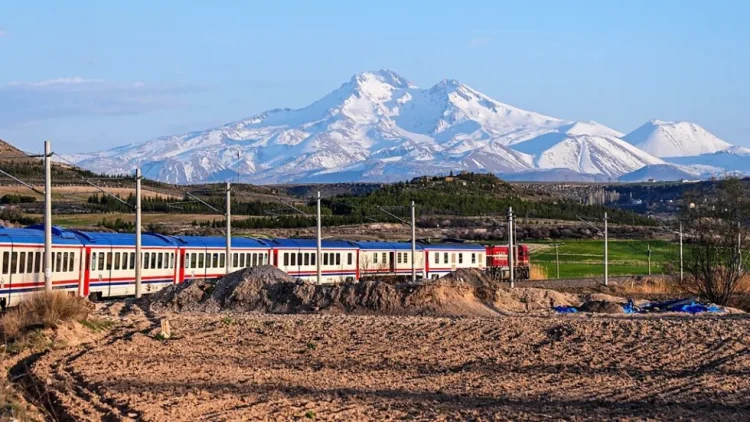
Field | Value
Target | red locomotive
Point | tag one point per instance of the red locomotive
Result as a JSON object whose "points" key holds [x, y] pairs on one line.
{"points": [[497, 261]]}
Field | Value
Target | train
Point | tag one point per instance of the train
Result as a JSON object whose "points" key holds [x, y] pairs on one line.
{"points": [[100, 265]]}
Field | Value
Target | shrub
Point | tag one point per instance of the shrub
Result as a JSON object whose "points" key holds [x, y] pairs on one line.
{"points": [[43, 309]]}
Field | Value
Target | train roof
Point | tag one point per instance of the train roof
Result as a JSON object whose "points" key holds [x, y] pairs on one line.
{"points": [[31, 235], [312, 243], [453, 246], [219, 242], [386, 245]]}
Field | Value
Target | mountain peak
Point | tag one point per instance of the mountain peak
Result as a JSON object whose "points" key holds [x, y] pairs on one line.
{"points": [[384, 76], [675, 139]]}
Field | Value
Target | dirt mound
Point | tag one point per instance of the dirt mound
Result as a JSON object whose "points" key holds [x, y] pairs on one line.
{"points": [[267, 289], [602, 307]]}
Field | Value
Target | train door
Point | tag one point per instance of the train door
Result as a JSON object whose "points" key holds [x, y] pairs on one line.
{"points": [[6, 280], [86, 268], [180, 266], [392, 262]]}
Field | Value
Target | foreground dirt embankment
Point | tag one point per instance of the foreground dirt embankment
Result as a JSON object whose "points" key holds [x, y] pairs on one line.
{"points": [[343, 367], [269, 290]]}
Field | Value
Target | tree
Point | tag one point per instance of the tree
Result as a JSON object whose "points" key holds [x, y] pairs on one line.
{"points": [[715, 230]]}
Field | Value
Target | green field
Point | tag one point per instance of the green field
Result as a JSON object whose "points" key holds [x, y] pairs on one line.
{"points": [[585, 258]]}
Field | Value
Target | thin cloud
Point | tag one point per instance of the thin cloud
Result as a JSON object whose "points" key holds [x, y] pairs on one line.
{"points": [[3, 32], [478, 42], [77, 96]]}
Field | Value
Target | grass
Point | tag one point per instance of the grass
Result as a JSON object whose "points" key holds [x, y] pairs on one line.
{"points": [[42, 310], [585, 258]]}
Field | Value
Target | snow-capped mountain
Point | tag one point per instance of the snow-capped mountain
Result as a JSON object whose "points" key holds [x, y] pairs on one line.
{"points": [[675, 139], [586, 147], [378, 126]]}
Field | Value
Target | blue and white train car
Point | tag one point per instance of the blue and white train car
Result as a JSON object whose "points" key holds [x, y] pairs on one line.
{"points": [[389, 259], [297, 257], [110, 259], [444, 258], [22, 266], [205, 256]]}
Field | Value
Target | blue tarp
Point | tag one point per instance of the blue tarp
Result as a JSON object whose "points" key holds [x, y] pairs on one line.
{"points": [[691, 306]]}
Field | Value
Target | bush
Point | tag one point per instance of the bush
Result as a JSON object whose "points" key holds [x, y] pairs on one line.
{"points": [[42, 310]]}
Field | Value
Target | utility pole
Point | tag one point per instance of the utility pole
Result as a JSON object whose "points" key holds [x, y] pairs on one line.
{"points": [[557, 259], [47, 216], [319, 244], [229, 228], [511, 263], [413, 243], [606, 252], [648, 254], [681, 270], [138, 255]]}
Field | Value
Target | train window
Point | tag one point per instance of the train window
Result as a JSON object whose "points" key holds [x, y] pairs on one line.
{"points": [[58, 263], [247, 260], [299, 258], [307, 258], [6, 262], [460, 258], [286, 259], [117, 260], [200, 260], [161, 260], [294, 259], [385, 258], [124, 261], [398, 257], [37, 262], [101, 261], [349, 259], [145, 261], [445, 258], [242, 260], [235, 260], [132, 260], [325, 259], [65, 262], [153, 260], [93, 261], [437, 257], [52, 254], [375, 258], [171, 260], [473, 258], [313, 258], [13, 262], [22, 263], [187, 260], [223, 260], [215, 261], [338, 259], [30, 263]]}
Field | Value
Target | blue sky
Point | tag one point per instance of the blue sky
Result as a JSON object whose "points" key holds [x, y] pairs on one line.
{"points": [[89, 75]]}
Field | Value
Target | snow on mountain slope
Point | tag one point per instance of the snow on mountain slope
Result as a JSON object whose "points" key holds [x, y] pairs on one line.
{"points": [[586, 147], [675, 139], [735, 159], [377, 126], [659, 172]]}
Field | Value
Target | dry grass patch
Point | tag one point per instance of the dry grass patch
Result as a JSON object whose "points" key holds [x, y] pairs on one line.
{"points": [[42, 310]]}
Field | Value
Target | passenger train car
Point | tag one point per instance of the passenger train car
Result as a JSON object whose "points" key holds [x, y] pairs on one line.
{"points": [[101, 265]]}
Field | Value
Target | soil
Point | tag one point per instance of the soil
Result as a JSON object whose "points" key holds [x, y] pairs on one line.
{"points": [[344, 367], [259, 346]]}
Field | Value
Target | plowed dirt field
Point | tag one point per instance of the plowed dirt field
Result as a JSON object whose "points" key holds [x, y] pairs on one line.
{"points": [[344, 367]]}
